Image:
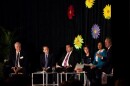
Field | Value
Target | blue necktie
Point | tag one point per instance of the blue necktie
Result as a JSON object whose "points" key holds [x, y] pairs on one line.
{"points": [[46, 61]]}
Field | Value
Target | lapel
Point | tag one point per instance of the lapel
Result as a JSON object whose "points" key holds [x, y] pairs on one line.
{"points": [[63, 57]]}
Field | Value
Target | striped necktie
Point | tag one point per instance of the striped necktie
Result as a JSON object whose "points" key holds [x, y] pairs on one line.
{"points": [[65, 62], [17, 59]]}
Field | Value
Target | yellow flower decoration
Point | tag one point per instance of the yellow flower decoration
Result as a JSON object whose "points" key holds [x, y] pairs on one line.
{"points": [[107, 11], [89, 3], [78, 42]]}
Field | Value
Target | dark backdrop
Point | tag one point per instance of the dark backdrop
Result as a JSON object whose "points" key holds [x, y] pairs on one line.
{"points": [[45, 22]]}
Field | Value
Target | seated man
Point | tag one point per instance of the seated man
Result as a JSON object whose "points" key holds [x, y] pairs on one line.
{"points": [[68, 61], [18, 60], [46, 63], [46, 60]]}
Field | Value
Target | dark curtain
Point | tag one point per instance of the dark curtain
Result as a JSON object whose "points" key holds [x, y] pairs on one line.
{"points": [[45, 22], [93, 16]]}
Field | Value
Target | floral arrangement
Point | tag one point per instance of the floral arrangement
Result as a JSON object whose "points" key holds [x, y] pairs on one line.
{"points": [[78, 41], [89, 3], [95, 31], [70, 12], [107, 11]]}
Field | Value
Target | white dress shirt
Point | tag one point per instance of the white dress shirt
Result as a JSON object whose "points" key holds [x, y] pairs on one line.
{"points": [[67, 59]]}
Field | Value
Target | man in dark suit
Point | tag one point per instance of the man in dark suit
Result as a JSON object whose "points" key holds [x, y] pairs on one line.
{"points": [[47, 63], [107, 68], [18, 60], [46, 59], [69, 60]]}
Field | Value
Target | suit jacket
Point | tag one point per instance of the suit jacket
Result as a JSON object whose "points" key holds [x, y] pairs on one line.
{"points": [[73, 59], [22, 60], [50, 60], [108, 61]]}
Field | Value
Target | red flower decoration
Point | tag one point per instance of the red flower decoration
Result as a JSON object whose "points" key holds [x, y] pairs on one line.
{"points": [[70, 12]]}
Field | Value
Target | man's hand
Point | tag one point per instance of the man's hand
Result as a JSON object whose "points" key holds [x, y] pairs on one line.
{"points": [[57, 66], [14, 69], [18, 69], [45, 69], [68, 66]]}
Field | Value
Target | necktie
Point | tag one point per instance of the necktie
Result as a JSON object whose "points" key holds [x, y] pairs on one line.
{"points": [[17, 60], [46, 61], [107, 50], [65, 62]]}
